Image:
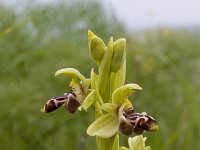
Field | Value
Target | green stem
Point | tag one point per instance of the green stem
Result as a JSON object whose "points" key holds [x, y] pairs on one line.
{"points": [[111, 143]]}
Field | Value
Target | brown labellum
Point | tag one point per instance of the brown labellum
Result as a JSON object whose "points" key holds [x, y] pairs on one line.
{"points": [[138, 131], [125, 127], [54, 103], [72, 104], [141, 122]]}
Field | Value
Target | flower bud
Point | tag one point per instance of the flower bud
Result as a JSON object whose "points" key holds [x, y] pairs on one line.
{"points": [[119, 54], [97, 48]]}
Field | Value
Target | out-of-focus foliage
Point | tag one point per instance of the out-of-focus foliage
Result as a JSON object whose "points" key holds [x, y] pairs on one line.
{"points": [[35, 41], [38, 39], [166, 64]]}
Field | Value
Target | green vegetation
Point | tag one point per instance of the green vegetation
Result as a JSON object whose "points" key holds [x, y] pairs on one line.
{"points": [[38, 40]]}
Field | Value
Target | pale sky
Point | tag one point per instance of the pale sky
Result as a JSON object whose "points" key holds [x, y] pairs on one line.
{"points": [[139, 14]]}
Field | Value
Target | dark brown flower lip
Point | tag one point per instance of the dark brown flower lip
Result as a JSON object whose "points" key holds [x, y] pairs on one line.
{"points": [[54, 103], [72, 104], [125, 127], [68, 100], [140, 121]]}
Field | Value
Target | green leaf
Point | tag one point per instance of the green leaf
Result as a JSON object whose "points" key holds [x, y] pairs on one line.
{"points": [[120, 95], [105, 126], [71, 72]]}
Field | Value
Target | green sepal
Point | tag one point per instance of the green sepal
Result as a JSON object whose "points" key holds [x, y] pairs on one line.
{"points": [[119, 54], [78, 82], [120, 95], [71, 72], [105, 126]]}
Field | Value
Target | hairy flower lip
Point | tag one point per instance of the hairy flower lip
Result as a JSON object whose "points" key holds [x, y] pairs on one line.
{"points": [[72, 104]]}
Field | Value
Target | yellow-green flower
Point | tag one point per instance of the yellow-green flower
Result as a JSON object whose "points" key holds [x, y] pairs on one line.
{"points": [[121, 116], [72, 100], [108, 124], [136, 143]]}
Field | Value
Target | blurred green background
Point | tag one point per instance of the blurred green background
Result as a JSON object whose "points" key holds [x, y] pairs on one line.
{"points": [[38, 39]]}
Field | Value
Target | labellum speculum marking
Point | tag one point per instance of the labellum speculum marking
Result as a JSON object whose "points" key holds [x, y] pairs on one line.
{"points": [[138, 121], [68, 100]]}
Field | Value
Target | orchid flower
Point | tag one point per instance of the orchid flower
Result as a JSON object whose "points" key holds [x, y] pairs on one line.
{"points": [[121, 116]]}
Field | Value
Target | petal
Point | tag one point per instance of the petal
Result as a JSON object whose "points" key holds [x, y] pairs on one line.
{"points": [[137, 143], [105, 126], [71, 72], [94, 79], [111, 108], [89, 100], [94, 84], [121, 94], [78, 89]]}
